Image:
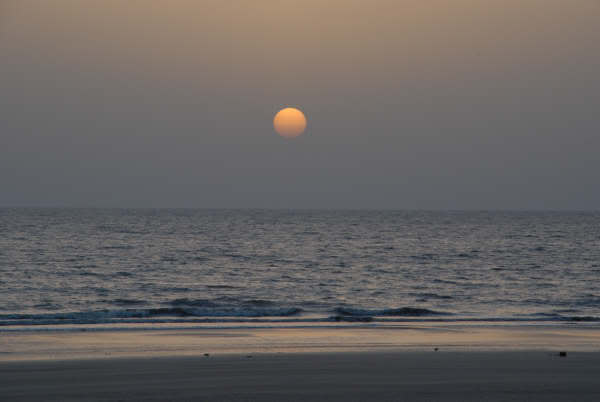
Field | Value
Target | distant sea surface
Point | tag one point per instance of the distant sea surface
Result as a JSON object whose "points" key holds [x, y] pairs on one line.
{"points": [[132, 266]]}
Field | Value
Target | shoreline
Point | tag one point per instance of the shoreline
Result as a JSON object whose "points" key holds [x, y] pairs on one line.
{"points": [[402, 362], [153, 341]]}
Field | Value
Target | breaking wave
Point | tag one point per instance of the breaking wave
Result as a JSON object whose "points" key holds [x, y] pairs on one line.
{"points": [[399, 312], [184, 308]]}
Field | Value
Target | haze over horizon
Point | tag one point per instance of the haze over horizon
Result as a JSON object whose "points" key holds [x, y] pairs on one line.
{"points": [[462, 104]]}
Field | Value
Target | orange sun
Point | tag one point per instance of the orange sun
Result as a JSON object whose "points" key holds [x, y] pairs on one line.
{"points": [[289, 122]]}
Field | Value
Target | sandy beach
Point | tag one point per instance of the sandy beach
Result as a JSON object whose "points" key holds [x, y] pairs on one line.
{"points": [[484, 363], [411, 376]]}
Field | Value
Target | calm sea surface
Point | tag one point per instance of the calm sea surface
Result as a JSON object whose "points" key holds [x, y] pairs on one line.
{"points": [[115, 266]]}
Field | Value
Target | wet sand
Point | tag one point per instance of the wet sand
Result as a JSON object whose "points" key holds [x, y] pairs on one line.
{"points": [[471, 364], [97, 342]]}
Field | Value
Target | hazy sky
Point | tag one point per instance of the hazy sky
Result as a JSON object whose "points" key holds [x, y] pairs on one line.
{"points": [[447, 104]]}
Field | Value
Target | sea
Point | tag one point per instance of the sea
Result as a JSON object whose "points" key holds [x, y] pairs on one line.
{"points": [[121, 268]]}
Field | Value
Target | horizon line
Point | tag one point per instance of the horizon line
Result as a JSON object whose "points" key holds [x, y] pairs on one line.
{"points": [[349, 209]]}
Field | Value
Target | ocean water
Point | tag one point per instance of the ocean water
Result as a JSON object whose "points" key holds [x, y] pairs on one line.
{"points": [[133, 266]]}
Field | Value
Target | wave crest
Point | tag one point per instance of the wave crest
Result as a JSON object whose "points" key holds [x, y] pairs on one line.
{"points": [[399, 312]]}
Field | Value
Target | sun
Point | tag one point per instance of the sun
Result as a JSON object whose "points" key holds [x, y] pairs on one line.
{"points": [[289, 122]]}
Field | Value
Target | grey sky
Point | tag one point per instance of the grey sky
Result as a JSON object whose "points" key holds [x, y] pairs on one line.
{"points": [[450, 104]]}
